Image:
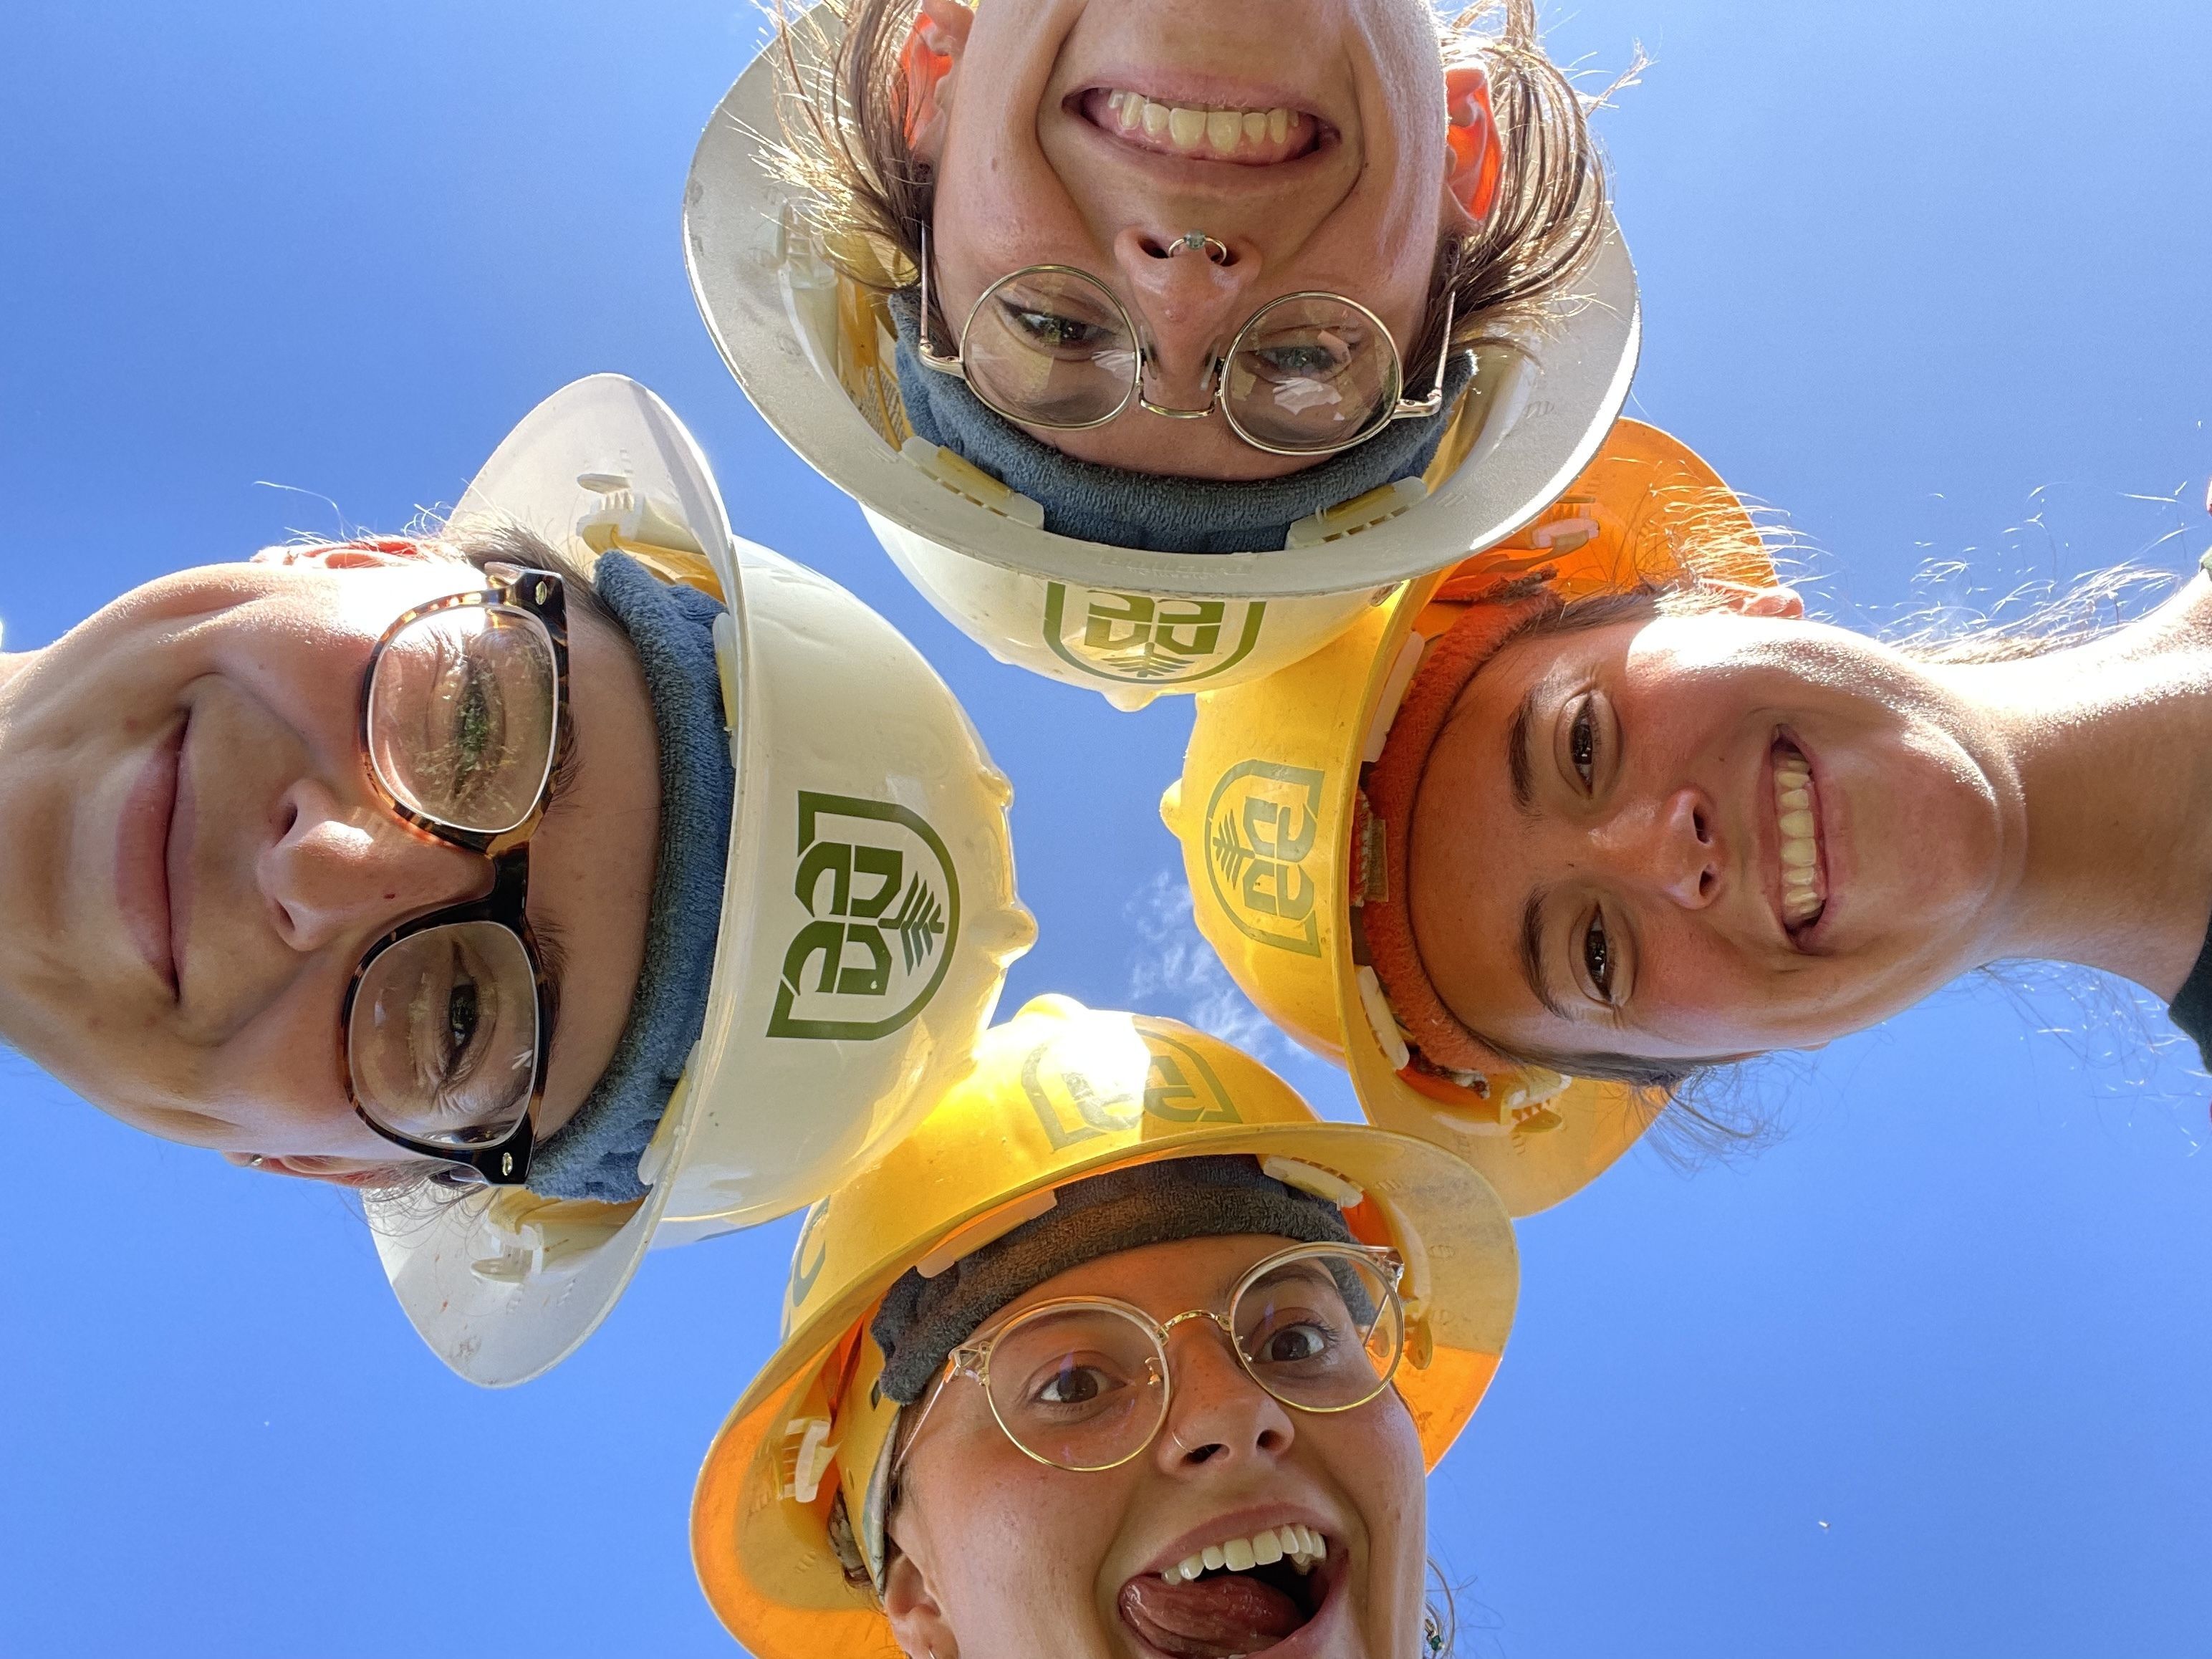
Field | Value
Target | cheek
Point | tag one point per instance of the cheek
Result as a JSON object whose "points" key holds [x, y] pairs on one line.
{"points": [[1377, 1462], [1014, 1550]]}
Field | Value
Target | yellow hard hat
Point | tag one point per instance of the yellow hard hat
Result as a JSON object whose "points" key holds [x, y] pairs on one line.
{"points": [[1059, 1092], [1266, 808]]}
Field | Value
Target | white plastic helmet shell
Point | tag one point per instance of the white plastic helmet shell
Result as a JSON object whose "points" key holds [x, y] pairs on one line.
{"points": [[1127, 623], [868, 911]]}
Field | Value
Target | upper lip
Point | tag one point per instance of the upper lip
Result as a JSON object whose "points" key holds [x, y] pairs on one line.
{"points": [[1201, 91], [1242, 1523]]}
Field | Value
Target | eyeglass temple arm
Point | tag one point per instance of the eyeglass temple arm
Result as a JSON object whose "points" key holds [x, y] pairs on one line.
{"points": [[954, 1362], [1409, 408]]}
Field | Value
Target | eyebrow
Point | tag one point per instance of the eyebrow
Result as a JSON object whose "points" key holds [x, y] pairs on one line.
{"points": [[552, 946], [1532, 954], [553, 957], [1517, 761]]}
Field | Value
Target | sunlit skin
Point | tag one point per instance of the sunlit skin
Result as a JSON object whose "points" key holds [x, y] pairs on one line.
{"points": [[1026, 175], [2059, 808], [1000, 1557], [216, 1025]]}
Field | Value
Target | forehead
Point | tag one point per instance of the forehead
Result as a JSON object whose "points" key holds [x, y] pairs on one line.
{"points": [[1163, 1280], [1476, 855]]}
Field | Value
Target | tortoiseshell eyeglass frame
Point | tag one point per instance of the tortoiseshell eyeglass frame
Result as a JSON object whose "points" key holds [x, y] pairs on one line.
{"points": [[541, 595]]}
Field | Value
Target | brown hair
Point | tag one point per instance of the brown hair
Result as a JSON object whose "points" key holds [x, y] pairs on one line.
{"points": [[842, 109]]}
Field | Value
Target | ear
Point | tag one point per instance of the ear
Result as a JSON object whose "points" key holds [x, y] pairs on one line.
{"points": [[369, 553], [931, 54], [917, 1622], [1474, 160], [1779, 600], [332, 1171]]}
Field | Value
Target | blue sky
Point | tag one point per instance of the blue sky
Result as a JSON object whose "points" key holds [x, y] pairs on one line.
{"points": [[1928, 1377]]}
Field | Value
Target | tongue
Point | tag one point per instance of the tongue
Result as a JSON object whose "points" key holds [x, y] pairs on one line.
{"points": [[1225, 1615]]}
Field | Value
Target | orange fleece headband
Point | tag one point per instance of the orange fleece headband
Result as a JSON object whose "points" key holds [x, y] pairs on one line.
{"points": [[1387, 796]]}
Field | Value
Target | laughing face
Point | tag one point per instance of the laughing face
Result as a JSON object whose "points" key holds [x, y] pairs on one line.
{"points": [[1001, 1557], [1698, 837], [192, 861], [1307, 137]]}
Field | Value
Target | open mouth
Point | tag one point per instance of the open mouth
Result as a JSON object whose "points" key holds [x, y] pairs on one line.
{"points": [[1242, 137], [1797, 841], [1238, 1596]]}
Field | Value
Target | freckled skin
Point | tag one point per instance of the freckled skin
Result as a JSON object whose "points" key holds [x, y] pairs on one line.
{"points": [[294, 866], [1004, 1558], [1024, 178]]}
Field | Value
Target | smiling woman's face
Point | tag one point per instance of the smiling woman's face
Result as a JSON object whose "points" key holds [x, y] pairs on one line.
{"points": [[1000, 1557], [1706, 835], [192, 861], [1332, 176]]}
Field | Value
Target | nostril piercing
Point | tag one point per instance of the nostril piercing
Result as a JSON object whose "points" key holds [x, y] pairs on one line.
{"points": [[1197, 241]]}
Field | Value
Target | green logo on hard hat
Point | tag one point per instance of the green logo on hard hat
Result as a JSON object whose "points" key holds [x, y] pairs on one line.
{"points": [[883, 919], [1137, 640], [1180, 1088], [1260, 826]]}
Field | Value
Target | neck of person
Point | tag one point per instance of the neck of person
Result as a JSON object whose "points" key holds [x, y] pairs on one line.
{"points": [[11, 665], [2111, 742]]}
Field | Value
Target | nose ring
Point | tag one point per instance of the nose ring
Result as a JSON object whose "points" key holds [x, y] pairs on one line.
{"points": [[1197, 241]]}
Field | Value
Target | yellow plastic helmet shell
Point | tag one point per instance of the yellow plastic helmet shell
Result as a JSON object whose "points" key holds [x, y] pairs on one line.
{"points": [[812, 349], [844, 998], [1264, 812], [1059, 1092]]}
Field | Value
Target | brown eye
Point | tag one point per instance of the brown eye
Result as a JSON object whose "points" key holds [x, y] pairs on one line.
{"points": [[1581, 742], [1597, 956]]}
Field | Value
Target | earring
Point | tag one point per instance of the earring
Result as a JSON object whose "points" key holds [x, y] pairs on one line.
{"points": [[1432, 1635]]}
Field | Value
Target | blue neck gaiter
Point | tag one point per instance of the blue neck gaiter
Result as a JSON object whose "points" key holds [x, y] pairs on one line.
{"points": [[1151, 511]]}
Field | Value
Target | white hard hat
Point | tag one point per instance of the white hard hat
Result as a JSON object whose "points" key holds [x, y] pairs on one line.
{"points": [[1125, 623], [841, 736]]}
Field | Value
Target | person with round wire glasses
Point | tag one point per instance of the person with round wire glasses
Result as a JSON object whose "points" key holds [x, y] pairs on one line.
{"points": [[1122, 1351], [1186, 275]]}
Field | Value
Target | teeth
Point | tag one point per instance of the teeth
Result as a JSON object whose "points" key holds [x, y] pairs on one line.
{"points": [[1198, 131], [1798, 825], [1302, 1546]]}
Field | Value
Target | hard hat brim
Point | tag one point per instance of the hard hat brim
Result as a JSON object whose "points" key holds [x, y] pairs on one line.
{"points": [[773, 313], [502, 1287], [495, 1314]]}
